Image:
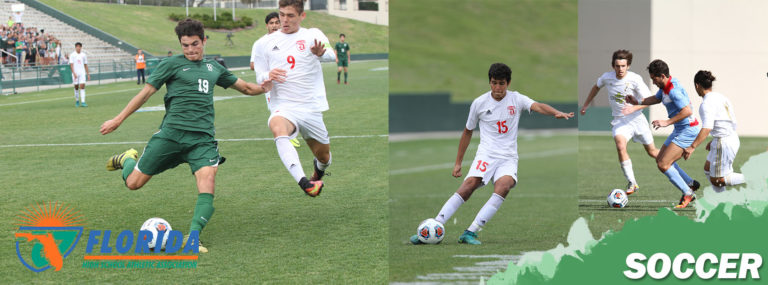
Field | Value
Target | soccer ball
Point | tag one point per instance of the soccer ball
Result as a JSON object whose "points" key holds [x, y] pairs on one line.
{"points": [[431, 231], [617, 198], [156, 225]]}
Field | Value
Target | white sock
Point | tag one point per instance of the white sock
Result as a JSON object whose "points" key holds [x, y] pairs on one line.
{"points": [[82, 95], [626, 167], [323, 166], [290, 157], [449, 208], [734, 179], [718, 189], [77, 95], [486, 213]]}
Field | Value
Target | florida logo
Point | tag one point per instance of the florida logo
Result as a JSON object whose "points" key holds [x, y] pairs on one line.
{"points": [[301, 45], [511, 110], [47, 234]]}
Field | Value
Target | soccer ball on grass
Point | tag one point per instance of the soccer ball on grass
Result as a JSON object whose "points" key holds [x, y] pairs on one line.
{"points": [[617, 198], [155, 226], [431, 231]]}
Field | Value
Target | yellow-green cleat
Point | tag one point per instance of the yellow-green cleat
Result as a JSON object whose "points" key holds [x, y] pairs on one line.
{"points": [[295, 142], [116, 161], [200, 247]]}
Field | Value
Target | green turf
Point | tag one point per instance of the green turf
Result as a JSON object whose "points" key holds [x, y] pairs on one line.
{"points": [[149, 28], [536, 215], [452, 52], [599, 172], [264, 230]]}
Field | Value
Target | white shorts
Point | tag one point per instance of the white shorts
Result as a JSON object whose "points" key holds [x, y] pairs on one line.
{"points": [[635, 128], [309, 124], [722, 152], [80, 78], [492, 168]]}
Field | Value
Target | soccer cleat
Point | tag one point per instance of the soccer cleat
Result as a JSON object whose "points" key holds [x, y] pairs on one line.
{"points": [[631, 188], [200, 247], [295, 142], [77, 103], [83, 105], [685, 200], [694, 185], [311, 188], [318, 175], [469, 238], [116, 161], [345, 83], [415, 240], [338, 81]]}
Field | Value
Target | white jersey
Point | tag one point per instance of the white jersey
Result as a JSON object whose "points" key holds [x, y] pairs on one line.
{"points": [[631, 84], [304, 88], [260, 77], [498, 122], [78, 61], [716, 113]]}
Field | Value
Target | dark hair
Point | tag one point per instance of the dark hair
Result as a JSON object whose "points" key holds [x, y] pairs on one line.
{"points": [[190, 27], [78, 44], [621, 54], [704, 78], [270, 16], [657, 67], [342, 35], [298, 4], [499, 71]]}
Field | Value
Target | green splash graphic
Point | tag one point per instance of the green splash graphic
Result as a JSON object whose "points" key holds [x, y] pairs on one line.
{"points": [[728, 222]]}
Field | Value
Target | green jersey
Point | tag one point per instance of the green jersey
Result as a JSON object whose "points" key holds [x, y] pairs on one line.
{"points": [[189, 101], [342, 49]]}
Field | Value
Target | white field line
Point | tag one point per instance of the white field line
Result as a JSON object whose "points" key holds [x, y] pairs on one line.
{"points": [[540, 154], [481, 270], [66, 97], [144, 142]]}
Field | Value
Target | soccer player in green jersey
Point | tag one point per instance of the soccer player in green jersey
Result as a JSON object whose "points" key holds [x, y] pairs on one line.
{"points": [[186, 133], [342, 58]]}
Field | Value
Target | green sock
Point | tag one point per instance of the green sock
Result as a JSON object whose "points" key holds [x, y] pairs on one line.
{"points": [[203, 212], [128, 166], [338, 76], [345, 77]]}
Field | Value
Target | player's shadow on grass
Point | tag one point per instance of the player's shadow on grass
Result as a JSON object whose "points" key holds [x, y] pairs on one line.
{"points": [[637, 208]]}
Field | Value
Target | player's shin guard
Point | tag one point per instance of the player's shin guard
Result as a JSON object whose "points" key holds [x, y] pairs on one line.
{"points": [[734, 179], [486, 213], [128, 166], [290, 157], [82, 95], [678, 181], [449, 208], [688, 180], [338, 76], [345, 77], [203, 212], [626, 167]]}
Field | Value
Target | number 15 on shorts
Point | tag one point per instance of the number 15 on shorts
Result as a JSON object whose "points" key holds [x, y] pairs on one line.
{"points": [[482, 166]]}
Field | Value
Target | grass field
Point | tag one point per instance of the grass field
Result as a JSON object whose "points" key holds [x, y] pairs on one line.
{"points": [[447, 46], [536, 215], [148, 27], [599, 172], [265, 230]]}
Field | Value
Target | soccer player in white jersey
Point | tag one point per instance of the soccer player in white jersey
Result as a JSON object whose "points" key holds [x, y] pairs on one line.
{"points": [[719, 120], [620, 83], [272, 22], [78, 62], [497, 113], [291, 58]]}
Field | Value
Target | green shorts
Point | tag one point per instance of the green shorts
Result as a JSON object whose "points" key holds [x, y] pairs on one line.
{"points": [[170, 147], [343, 62]]}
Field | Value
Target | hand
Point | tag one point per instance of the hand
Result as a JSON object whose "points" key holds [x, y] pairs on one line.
{"points": [[687, 152], [561, 115], [75, 79], [89, 76], [456, 170], [277, 75], [583, 110], [266, 85], [659, 124], [708, 145], [109, 126], [318, 49], [631, 100]]}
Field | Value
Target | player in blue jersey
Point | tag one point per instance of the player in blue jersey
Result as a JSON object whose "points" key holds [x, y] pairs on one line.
{"points": [[680, 114]]}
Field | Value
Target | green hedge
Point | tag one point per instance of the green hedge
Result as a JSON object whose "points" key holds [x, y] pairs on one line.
{"points": [[223, 21]]}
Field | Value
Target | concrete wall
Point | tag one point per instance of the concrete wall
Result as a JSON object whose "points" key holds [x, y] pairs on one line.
{"points": [[380, 17]]}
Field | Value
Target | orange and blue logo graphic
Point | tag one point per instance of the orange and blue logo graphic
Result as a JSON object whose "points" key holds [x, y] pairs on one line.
{"points": [[47, 234]]}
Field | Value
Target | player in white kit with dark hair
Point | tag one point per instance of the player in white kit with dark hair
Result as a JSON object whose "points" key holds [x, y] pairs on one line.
{"points": [[78, 62], [719, 120], [619, 84], [497, 114], [291, 58]]}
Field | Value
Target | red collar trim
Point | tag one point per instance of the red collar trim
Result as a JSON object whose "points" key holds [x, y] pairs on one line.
{"points": [[668, 87]]}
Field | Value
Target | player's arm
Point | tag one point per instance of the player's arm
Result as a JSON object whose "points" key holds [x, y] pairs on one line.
{"points": [[592, 94], [87, 73], [252, 89], [325, 53], [699, 139], [133, 105], [545, 109], [684, 113], [72, 69], [647, 101], [466, 137]]}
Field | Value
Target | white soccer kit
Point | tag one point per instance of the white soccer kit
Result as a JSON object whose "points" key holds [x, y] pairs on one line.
{"points": [[258, 76], [78, 62], [633, 126], [303, 90], [717, 114], [497, 120]]}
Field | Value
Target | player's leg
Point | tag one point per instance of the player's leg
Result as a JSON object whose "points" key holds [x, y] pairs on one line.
{"points": [[322, 153], [82, 93], [625, 162], [133, 178], [667, 156], [138, 76], [501, 188], [721, 155], [345, 71], [77, 92], [338, 74], [205, 178], [283, 130], [453, 203]]}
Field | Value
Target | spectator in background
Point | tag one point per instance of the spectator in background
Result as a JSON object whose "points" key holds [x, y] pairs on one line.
{"points": [[20, 47], [140, 65], [17, 17], [10, 22]]}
